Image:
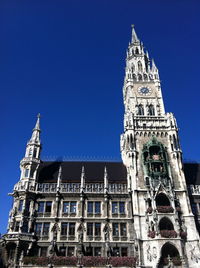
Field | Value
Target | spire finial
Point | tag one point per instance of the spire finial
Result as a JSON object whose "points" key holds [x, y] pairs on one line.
{"points": [[82, 179], [105, 179], [37, 125], [134, 35], [59, 177]]}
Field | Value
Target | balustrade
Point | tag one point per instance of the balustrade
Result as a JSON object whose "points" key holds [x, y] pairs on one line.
{"points": [[76, 188]]}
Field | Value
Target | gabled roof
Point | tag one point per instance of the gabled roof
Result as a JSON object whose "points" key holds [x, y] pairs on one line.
{"points": [[71, 171]]}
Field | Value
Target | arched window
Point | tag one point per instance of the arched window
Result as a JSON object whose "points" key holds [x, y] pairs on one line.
{"points": [[136, 51], [169, 250], [140, 109], [134, 77], [139, 77], [139, 66], [166, 224], [151, 110], [132, 68], [145, 77]]}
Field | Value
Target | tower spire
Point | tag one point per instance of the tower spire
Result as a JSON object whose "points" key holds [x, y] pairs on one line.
{"points": [[35, 138], [33, 147], [134, 35]]}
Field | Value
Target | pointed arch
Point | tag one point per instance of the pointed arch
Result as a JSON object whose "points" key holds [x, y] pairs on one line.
{"points": [[140, 109], [162, 200], [165, 224], [145, 77], [151, 110], [136, 51], [139, 77], [169, 251], [140, 69], [134, 77]]}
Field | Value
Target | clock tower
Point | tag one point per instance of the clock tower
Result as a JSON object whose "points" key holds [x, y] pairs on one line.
{"points": [[164, 227]]}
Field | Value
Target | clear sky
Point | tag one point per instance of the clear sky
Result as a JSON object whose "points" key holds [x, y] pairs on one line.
{"points": [[66, 59]]}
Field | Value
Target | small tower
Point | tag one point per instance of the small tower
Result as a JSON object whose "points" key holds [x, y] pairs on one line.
{"points": [[22, 213], [31, 160]]}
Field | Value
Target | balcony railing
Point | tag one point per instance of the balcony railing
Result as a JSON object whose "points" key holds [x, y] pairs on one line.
{"points": [[76, 188]]}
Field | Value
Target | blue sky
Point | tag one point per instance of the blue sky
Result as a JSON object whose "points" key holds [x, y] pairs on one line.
{"points": [[66, 59]]}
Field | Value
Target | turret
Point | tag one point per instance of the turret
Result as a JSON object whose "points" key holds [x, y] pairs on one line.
{"points": [[31, 160]]}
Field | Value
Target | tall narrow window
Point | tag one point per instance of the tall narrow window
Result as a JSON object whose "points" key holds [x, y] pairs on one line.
{"points": [[122, 207], [140, 109], [114, 207], [20, 205], [73, 207], [41, 207], [97, 229], [17, 226], [139, 66], [151, 110], [90, 207], [46, 229], [26, 173], [48, 206], [115, 229], [123, 229], [66, 207], [35, 153], [97, 207], [90, 229], [38, 228], [72, 228], [64, 227]]}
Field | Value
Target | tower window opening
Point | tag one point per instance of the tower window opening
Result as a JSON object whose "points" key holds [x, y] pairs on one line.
{"points": [[30, 152], [20, 205], [35, 153], [139, 77], [136, 51], [169, 250], [162, 200], [145, 77], [140, 109], [134, 77], [166, 224], [151, 110], [139, 66], [175, 142], [26, 173]]}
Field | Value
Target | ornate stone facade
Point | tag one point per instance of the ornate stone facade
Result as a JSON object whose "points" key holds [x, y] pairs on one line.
{"points": [[139, 208]]}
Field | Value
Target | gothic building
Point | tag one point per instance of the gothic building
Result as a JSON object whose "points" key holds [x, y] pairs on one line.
{"points": [[137, 211]]}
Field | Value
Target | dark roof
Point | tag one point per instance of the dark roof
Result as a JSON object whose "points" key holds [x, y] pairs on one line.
{"points": [[192, 173], [94, 172], [71, 171]]}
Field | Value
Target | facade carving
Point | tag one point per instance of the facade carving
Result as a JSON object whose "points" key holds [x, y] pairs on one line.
{"points": [[138, 209]]}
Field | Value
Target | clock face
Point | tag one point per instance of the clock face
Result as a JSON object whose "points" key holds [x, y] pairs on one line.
{"points": [[144, 90]]}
